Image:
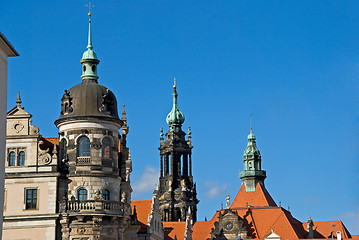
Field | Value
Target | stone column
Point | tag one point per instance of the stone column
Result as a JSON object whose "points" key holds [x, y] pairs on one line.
{"points": [[190, 164], [161, 160], [185, 165], [166, 164]]}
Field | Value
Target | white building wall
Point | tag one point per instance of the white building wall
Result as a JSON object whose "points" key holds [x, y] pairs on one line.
{"points": [[6, 50]]}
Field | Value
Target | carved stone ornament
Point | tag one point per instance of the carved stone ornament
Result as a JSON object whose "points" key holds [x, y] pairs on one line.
{"points": [[44, 156], [33, 129], [96, 146], [71, 146], [18, 127], [66, 107], [107, 103]]}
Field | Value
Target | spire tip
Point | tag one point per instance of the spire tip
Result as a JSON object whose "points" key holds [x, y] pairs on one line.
{"points": [[174, 84]]}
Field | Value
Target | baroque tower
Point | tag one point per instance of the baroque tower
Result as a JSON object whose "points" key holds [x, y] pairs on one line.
{"points": [[252, 173], [177, 192], [94, 191]]}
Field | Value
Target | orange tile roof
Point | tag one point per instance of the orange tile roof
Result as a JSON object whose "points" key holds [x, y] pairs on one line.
{"points": [[53, 140], [260, 197], [323, 229], [143, 209], [202, 229], [258, 220], [172, 229]]}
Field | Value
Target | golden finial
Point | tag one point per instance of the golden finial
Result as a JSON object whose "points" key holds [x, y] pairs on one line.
{"points": [[174, 85]]}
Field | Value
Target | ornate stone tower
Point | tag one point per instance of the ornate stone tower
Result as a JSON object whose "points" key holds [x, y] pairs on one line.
{"points": [[177, 191], [252, 170], [95, 191]]}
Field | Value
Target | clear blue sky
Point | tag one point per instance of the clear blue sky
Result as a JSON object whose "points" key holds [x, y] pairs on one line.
{"points": [[292, 64]]}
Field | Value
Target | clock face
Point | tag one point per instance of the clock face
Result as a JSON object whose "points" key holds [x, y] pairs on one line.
{"points": [[228, 225]]}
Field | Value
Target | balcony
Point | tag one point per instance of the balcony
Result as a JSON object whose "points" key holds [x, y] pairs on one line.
{"points": [[102, 206]]}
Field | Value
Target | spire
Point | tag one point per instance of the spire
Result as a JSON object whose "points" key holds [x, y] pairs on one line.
{"points": [[175, 117], [188, 228], [18, 100], [124, 118], [89, 42], [89, 59], [252, 173]]}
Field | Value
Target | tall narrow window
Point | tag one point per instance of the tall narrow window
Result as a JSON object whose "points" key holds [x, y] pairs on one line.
{"points": [[12, 159], [105, 194], [63, 149], [84, 147], [31, 199], [82, 194], [106, 145], [21, 159]]}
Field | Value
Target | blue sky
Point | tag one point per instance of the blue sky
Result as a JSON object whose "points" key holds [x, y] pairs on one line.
{"points": [[292, 64]]}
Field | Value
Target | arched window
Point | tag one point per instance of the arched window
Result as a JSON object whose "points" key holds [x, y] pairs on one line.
{"points": [[12, 159], [105, 194], [63, 149], [21, 159], [106, 146], [82, 194], [84, 147]]}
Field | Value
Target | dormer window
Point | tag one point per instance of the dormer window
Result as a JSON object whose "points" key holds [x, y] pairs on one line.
{"points": [[84, 147]]}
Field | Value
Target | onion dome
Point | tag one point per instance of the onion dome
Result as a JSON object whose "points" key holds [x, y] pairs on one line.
{"points": [[251, 145], [89, 99], [175, 117]]}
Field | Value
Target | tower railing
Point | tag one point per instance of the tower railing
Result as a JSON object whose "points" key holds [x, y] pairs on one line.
{"points": [[94, 206]]}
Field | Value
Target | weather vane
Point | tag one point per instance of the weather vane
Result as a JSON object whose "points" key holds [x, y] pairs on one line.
{"points": [[90, 6], [250, 121]]}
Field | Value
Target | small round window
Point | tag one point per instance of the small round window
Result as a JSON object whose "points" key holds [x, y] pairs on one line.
{"points": [[84, 68], [93, 68]]}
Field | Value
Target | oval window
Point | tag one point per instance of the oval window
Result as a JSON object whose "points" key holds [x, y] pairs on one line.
{"points": [[84, 68], [93, 68]]}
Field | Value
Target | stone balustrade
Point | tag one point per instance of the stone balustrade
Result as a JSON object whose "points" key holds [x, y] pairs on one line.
{"points": [[114, 207], [83, 160]]}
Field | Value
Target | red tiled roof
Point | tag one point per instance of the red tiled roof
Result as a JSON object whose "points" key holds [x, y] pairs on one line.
{"points": [[172, 229], [323, 229], [143, 209], [202, 229], [53, 140], [260, 197]]}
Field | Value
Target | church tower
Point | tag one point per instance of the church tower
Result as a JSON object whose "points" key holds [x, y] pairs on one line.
{"points": [[94, 191], [252, 173], [177, 192]]}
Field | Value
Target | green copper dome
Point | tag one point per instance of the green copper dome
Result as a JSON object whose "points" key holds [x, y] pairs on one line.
{"points": [[175, 116], [251, 145]]}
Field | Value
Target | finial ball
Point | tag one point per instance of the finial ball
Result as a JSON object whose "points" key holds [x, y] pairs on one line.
{"points": [[89, 14]]}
